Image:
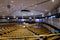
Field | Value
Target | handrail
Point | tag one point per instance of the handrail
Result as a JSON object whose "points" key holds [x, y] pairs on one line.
{"points": [[43, 36], [36, 36]]}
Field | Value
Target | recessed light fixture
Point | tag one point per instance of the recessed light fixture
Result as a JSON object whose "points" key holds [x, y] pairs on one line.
{"points": [[12, 1], [8, 18], [35, 5], [53, 0], [32, 4], [49, 13], [41, 13]]}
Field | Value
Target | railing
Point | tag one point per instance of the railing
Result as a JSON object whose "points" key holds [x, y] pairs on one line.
{"points": [[50, 27], [38, 37]]}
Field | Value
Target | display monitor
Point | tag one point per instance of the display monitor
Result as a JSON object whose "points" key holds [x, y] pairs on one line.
{"points": [[57, 31], [21, 20], [38, 20]]}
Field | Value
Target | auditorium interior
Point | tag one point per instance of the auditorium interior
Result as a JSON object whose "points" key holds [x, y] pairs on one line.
{"points": [[29, 19]]}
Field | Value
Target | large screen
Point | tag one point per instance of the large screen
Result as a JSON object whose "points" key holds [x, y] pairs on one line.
{"points": [[38, 20], [52, 17], [21, 20], [57, 31]]}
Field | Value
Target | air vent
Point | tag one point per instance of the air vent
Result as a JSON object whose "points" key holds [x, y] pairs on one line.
{"points": [[25, 10]]}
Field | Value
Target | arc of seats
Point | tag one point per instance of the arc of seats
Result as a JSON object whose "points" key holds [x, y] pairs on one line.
{"points": [[6, 30]]}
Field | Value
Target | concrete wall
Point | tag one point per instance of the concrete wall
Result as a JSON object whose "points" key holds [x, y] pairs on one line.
{"points": [[55, 22]]}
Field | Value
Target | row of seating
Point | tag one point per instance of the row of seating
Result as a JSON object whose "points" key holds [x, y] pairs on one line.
{"points": [[36, 38], [54, 38], [40, 30], [4, 29], [19, 33]]}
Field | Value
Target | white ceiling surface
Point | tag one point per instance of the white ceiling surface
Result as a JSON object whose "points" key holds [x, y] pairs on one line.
{"points": [[17, 5], [32, 13]]}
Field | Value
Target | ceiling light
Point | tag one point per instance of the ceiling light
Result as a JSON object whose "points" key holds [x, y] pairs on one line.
{"points": [[35, 5], [12, 1], [49, 13], [42, 15], [32, 4], [53, 0], [8, 18]]}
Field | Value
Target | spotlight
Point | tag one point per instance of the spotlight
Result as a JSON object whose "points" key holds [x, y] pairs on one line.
{"points": [[53, 0], [8, 18]]}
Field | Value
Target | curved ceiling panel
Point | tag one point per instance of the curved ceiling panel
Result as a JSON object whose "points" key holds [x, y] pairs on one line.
{"points": [[45, 7], [18, 5], [31, 13]]}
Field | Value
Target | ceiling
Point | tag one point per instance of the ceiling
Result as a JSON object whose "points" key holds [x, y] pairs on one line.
{"points": [[16, 6]]}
